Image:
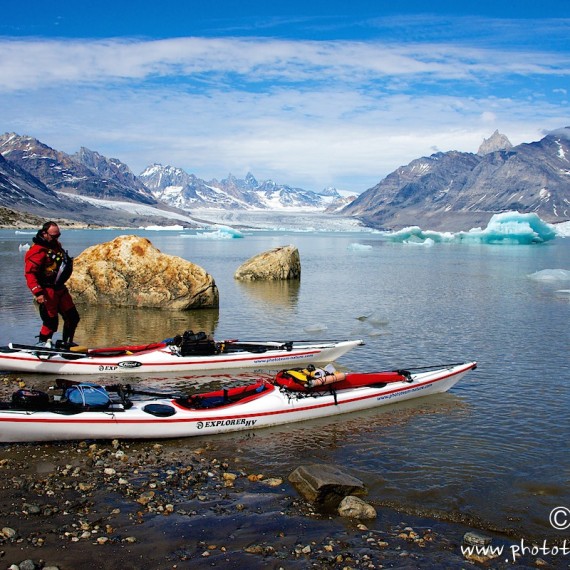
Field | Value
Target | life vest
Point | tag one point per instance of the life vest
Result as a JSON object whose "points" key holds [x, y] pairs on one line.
{"points": [[58, 268], [46, 266]]}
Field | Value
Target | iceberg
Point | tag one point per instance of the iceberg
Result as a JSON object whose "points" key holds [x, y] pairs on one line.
{"points": [[359, 247], [507, 228], [416, 236], [220, 232], [512, 228], [563, 229]]}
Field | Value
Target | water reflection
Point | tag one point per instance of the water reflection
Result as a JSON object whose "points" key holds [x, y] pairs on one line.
{"points": [[282, 293], [496, 446], [105, 326]]}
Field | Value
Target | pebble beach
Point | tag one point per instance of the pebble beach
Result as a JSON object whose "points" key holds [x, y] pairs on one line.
{"points": [[121, 505]]}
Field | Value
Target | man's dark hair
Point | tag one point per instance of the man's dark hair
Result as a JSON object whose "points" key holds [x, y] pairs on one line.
{"points": [[47, 226]]}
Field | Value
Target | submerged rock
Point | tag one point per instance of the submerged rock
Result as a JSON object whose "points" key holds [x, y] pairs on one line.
{"points": [[280, 263], [355, 508], [130, 271]]}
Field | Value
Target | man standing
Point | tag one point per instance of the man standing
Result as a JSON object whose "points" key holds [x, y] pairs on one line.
{"points": [[47, 268]]}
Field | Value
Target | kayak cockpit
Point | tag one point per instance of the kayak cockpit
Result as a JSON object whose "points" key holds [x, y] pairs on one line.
{"points": [[225, 397]]}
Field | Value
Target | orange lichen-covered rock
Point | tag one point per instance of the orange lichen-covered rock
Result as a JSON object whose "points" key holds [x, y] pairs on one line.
{"points": [[130, 271], [276, 264]]}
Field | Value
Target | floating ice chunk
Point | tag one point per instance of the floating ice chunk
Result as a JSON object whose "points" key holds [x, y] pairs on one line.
{"points": [[359, 247], [317, 327], [507, 228], [221, 232], [24, 247], [551, 275], [231, 232], [563, 229], [511, 228], [416, 236]]}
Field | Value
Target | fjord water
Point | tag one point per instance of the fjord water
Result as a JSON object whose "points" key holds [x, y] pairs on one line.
{"points": [[494, 449]]}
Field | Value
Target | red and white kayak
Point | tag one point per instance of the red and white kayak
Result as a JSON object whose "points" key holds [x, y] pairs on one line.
{"points": [[165, 357], [260, 404]]}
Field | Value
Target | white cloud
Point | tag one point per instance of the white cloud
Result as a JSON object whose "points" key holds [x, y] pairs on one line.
{"points": [[307, 113], [33, 64]]}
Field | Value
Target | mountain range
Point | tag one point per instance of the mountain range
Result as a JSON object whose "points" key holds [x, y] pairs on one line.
{"points": [[89, 188], [447, 190], [459, 190]]}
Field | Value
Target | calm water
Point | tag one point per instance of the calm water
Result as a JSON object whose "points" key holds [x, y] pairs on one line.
{"points": [[495, 447]]}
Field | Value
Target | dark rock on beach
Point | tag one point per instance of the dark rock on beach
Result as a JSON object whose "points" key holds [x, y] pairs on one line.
{"points": [[325, 485]]}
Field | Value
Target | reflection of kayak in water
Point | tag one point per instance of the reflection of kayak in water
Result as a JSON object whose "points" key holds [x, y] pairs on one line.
{"points": [[167, 356], [33, 416]]}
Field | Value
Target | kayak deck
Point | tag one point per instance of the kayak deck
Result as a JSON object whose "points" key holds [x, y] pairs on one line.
{"points": [[161, 357], [260, 404]]}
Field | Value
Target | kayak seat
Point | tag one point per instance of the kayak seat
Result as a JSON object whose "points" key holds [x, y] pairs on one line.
{"points": [[70, 356], [209, 401], [212, 402]]}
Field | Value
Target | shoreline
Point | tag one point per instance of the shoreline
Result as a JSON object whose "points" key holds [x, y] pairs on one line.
{"points": [[123, 505], [132, 504]]}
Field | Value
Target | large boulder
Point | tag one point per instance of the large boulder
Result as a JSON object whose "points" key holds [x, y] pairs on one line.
{"points": [[280, 263], [130, 271]]}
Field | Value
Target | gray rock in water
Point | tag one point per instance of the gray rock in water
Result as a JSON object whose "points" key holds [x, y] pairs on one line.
{"points": [[280, 263], [355, 508], [325, 484]]}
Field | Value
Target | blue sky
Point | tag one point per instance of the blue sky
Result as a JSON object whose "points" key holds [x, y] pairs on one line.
{"points": [[311, 94]]}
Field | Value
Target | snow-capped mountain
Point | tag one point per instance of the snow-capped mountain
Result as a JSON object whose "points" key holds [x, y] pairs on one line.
{"points": [[459, 190], [185, 191], [85, 188], [86, 173], [447, 190]]}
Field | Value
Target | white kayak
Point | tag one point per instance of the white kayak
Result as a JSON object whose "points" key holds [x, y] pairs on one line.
{"points": [[165, 357], [261, 404]]}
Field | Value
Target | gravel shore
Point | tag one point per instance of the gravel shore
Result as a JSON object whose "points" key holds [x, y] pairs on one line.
{"points": [[131, 505], [121, 505]]}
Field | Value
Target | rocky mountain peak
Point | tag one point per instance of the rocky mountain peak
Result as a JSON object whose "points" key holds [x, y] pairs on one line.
{"points": [[495, 142]]}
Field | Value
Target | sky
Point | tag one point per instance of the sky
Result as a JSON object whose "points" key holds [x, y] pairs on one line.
{"points": [[311, 94]]}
